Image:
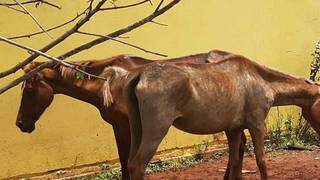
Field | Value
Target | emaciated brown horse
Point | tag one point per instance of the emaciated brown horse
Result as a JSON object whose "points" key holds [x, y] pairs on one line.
{"points": [[229, 95], [38, 93]]}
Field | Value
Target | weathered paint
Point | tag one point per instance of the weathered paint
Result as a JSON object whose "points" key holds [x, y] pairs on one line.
{"points": [[280, 34]]}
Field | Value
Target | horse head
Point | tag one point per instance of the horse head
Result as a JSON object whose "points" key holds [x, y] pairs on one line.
{"points": [[311, 108], [37, 95], [311, 113]]}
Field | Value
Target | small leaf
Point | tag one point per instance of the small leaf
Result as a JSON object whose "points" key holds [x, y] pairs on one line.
{"points": [[79, 75]]}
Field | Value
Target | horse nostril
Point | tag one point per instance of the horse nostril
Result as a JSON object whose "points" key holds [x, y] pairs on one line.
{"points": [[19, 124]]}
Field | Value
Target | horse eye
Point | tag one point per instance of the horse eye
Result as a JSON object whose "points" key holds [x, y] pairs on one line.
{"points": [[29, 91]]}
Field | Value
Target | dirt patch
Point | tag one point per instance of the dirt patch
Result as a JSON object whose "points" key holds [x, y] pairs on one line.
{"points": [[281, 165]]}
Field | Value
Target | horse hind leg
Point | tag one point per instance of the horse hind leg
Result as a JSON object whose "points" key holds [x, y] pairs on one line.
{"points": [[241, 151], [154, 130], [240, 162], [234, 141]]}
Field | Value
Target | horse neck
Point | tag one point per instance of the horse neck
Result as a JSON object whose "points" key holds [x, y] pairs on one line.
{"points": [[84, 90], [294, 93], [288, 89]]}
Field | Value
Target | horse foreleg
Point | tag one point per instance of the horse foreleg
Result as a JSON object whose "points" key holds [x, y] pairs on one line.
{"points": [[122, 135], [234, 140]]}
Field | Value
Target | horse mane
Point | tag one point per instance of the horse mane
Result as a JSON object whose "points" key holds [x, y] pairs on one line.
{"points": [[111, 73], [95, 67]]}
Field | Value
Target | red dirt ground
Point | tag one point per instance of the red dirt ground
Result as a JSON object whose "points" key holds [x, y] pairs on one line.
{"points": [[281, 165]]}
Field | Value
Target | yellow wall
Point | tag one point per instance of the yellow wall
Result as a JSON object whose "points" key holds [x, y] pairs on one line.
{"points": [[277, 33]]}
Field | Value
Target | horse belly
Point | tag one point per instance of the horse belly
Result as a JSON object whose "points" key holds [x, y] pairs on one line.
{"points": [[197, 127], [212, 115], [209, 121]]}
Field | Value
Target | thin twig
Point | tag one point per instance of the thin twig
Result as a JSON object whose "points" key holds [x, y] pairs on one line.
{"points": [[65, 63], [161, 24], [90, 5], [159, 5], [124, 37], [31, 2], [56, 41], [48, 30], [16, 4], [50, 4], [34, 18], [15, 9], [123, 42], [125, 6]]}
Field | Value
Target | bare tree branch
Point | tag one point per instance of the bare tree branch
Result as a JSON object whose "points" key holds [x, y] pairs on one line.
{"points": [[64, 63], [48, 30], [123, 42], [37, 69], [125, 6], [121, 31], [18, 81], [82, 47], [34, 18], [56, 41], [34, 50], [31, 2]]}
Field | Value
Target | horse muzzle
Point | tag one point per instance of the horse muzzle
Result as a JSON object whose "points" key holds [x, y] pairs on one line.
{"points": [[24, 127]]}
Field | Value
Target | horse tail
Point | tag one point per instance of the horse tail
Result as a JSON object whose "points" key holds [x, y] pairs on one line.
{"points": [[132, 104]]}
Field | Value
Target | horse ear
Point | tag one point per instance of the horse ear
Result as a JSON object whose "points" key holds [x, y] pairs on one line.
{"points": [[32, 81], [28, 86], [24, 69], [49, 73], [37, 77], [31, 66]]}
